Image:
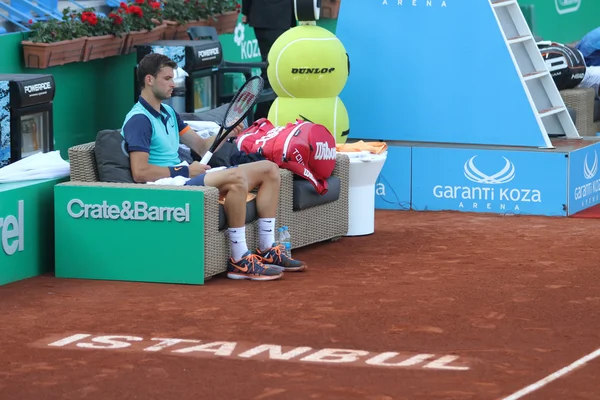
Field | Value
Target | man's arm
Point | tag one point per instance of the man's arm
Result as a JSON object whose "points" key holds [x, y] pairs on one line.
{"points": [[200, 145], [191, 139]]}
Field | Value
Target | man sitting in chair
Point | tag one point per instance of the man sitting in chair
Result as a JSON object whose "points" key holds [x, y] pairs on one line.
{"points": [[153, 131]]}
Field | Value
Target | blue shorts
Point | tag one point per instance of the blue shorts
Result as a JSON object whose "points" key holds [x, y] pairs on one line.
{"points": [[199, 180], [196, 181]]}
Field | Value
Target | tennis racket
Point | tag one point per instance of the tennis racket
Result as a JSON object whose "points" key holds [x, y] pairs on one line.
{"points": [[240, 105]]}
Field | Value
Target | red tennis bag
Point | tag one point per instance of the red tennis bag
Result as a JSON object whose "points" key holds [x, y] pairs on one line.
{"points": [[247, 141], [305, 148]]}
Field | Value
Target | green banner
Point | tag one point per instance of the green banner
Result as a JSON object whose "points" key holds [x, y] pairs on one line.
{"points": [[562, 21], [145, 235], [26, 229]]}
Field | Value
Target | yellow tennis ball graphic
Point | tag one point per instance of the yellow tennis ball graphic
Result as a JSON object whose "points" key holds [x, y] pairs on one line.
{"points": [[308, 61], [329, 112]]}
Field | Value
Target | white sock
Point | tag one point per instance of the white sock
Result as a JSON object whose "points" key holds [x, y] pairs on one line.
{"points": [[266, 233], [237, 237]]}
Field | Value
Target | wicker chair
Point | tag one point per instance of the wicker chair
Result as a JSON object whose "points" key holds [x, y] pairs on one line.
{"points": [[582, 101], [315, 224]]}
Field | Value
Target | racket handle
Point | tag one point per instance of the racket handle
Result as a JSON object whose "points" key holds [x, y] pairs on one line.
{"points": [[206, 158]]}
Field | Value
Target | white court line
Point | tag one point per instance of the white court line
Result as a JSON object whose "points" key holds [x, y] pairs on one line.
{"points": [[543, 382]]}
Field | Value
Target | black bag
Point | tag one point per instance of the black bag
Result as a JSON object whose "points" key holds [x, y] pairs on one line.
{"points": [[228, 155], [566, 64]]}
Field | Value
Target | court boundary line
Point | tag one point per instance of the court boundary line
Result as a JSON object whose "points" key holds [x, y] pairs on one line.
{"points": [[554, 376]]}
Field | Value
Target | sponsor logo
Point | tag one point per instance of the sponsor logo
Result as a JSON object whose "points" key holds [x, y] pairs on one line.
{"points": [[249, 48], [491, 191], [415, 3], [567, 6], [128, 211], [312, 71], [37, 87], [588, 172], [588, 192], [209, 53], [473, 174], [12, 231], [268, 352], [324, 152]]}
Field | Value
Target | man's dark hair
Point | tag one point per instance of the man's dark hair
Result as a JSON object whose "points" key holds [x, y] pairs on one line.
{"points": [[151, 65]]}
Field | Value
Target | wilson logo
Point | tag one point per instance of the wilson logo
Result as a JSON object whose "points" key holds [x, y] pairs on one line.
{"points": [[324, 152]]}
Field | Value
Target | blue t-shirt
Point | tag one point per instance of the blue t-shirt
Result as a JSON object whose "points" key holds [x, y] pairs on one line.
{"points": [[156, 133], [590, 48]]}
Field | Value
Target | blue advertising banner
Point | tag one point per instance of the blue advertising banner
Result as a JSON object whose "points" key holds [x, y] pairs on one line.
{"points": [[433, 71], [494, 181], [584, 180], [392, 190]]}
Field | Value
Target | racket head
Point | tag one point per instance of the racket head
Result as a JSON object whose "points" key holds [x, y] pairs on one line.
{"points": [[243, 101]]}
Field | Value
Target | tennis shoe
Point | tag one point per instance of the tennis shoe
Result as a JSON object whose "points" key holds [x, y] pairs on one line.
{"points": [[276, 257], [250, 267]]}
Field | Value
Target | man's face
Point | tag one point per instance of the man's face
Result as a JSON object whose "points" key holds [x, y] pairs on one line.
{"points": [[162, 85]]}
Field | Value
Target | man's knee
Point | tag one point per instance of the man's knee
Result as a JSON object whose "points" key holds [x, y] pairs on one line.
{"points": [[270, 171], [236, 181]]}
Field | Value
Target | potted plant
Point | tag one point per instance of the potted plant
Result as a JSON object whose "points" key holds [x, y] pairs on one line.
{"points": [[55, 42], [105, 35], [143, 22], [225, 15], [180, 15]]}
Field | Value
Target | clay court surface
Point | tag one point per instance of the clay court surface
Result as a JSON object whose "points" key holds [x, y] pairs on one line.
{"points": [[431, 306]]}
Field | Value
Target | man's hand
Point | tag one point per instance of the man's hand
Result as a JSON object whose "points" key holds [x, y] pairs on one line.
{"points": [[196, 169], [236, 131]]}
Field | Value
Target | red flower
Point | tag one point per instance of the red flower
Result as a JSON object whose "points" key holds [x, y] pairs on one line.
{"points": [[117, 19], [155, 5], [31, 21], [123, 5], [140, 1]]}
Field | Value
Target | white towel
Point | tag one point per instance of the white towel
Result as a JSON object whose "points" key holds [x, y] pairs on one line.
{"points": [[37, 166]]}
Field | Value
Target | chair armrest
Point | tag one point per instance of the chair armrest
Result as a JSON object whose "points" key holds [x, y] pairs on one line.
{"points": [[83, 163]]}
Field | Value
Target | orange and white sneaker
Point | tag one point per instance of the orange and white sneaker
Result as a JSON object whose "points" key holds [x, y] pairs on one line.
{"points": [[251, 267], [276, 257]]}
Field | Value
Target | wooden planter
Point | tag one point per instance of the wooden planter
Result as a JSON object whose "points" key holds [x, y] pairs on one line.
{"points": [[102, 47], [44, 55], [175, 31], [142, 37], [330, 9], [225, 23]]}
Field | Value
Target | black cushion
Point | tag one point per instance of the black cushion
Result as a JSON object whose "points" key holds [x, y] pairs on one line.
{"points": [[251, 214], [112, 157], [306, 196]]}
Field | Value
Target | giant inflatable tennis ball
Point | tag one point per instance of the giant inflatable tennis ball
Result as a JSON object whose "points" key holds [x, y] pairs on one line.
{"points": [[308, 61], [329, 112]]}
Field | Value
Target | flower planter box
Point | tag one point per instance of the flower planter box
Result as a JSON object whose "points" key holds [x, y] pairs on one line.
{"points": [[226, 22], [138, 38], [102, 46], [176, 31], [44, 55]]}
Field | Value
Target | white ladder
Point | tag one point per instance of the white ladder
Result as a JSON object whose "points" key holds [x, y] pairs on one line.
{"points": [[544, 97]]}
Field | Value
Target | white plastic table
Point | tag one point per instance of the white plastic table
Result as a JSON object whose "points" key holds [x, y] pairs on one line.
{"points": [[364, 170]]}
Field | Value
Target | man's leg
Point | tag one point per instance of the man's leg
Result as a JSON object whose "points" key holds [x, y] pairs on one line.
{"points": [[232, 184], [265, 175]]}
